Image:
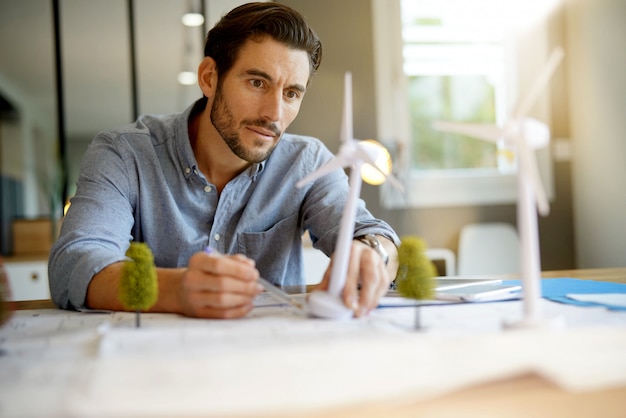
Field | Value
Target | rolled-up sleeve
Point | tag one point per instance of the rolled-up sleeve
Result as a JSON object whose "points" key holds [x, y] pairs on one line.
{"points": [[96, 229]]}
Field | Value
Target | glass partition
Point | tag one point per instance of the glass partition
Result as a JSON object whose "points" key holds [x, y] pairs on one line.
{"points": [[29, 169], [102, 79]]}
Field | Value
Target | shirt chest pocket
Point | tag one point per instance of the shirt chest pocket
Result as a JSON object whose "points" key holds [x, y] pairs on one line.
{"points": [[273, 251]]}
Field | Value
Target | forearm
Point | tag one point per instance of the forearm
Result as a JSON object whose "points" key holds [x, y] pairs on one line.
{"points": [[102, 292]]}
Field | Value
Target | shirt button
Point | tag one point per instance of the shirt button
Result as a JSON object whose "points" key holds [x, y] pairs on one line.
{"points": [[217, 237], [187, 170], [207, 189]]}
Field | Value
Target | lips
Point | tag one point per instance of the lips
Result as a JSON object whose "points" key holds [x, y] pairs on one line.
{"points": [[262, 132], [268, 132]]}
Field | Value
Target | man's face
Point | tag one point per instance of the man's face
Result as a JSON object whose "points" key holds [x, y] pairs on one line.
{"points": [[259, 97]]}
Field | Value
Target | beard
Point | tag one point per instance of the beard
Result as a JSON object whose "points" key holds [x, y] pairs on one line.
{"points": [[224, 122]]}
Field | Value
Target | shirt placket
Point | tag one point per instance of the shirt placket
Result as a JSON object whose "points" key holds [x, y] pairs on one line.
{"points": [[223, 231]]}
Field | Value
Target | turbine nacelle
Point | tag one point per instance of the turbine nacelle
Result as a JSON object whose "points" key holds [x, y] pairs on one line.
{"points": [[534, 132]]}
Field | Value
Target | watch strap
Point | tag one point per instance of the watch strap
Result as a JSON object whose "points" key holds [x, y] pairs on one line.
{"points": [[373, 242]]}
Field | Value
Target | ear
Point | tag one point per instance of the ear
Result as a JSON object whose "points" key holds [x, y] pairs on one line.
{"points": [[207, 76]]}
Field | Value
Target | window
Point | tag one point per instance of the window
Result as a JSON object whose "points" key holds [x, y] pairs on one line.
{"points": [[451, 60]]}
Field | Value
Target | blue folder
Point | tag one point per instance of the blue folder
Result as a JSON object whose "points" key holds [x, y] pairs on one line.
{"points": [[557, 290]]}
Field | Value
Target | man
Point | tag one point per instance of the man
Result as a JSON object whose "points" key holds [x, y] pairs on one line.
{"points": [[222, 175]]}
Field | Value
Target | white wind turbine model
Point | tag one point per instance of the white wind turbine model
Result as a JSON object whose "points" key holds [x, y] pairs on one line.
{"points": [[352, 153], [524, 135]]}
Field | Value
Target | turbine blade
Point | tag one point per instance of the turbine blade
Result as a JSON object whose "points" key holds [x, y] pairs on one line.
{"points": [[335, 163], [539, 84], [486, 132], [393, 180], [347, 133]]}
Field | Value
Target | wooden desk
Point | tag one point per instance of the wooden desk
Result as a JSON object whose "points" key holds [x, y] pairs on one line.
{"points": [[615, 275], [523, 396], [527, 396], [34, 304]]}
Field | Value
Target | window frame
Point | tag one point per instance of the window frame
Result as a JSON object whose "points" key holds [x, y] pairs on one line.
{"points": [[441, 188]]}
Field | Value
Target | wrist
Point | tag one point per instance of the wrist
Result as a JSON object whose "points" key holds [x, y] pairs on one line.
{"points": [[371, 241]]}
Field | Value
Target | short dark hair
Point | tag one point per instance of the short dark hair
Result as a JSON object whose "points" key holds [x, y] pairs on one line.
{"points": [[256, 20]]}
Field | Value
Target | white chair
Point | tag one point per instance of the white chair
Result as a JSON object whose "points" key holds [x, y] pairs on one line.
{"points": [[316, 262], [488, 248], [446, 256]]}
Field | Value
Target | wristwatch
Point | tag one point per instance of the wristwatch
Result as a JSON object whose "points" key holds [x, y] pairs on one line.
{"points": [[372, 241]]}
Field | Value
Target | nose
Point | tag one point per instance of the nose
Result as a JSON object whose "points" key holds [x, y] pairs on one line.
{"points": [[272, 108]]}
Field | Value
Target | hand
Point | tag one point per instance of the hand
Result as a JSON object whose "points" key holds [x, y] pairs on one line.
{"points": [[219, 286], [367, 270]]}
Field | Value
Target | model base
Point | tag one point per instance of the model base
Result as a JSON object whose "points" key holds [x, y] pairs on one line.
{"points": [[324, 305]]}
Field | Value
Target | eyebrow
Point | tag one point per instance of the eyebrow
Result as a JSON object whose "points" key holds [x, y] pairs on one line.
{"points": [[263, 74]]}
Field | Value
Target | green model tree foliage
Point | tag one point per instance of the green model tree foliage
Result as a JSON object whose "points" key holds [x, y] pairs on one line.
{"points": [[416, 273], [415, 277], [138, 285]]}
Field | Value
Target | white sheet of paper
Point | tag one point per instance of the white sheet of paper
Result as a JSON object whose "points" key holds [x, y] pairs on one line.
{"points": [[281, 371], [100, 365]]}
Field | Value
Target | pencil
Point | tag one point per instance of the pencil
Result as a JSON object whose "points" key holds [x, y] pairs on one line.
{"points": [[275, 292], [279, 294]]}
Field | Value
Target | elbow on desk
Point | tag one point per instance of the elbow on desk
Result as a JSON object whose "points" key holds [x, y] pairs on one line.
{"points": [[69, 277]]}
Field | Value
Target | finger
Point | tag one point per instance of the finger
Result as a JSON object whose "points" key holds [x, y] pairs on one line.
{"points": [[350, 291], [373, 286], [237, 266], [219, 304], [369, 270], [219, 300], [201, 281], [242, 258], [223, 313]]}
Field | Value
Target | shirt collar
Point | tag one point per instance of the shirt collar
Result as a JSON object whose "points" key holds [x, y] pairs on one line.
{"points": [[187, 159], [256, 169]]}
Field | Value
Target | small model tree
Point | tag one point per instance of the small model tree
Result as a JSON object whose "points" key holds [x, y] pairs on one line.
{"points": [[139, 288], [415, 277]]}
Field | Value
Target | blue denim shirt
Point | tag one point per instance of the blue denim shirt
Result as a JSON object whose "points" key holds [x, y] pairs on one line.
{"points": [[141, 183]]}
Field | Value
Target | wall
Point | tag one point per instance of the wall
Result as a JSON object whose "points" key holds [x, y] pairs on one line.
{"points": [[597, 84], [345, 28]]}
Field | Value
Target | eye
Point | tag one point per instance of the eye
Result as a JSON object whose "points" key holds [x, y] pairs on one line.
{"points": [[292, 94], [256, 83]]}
